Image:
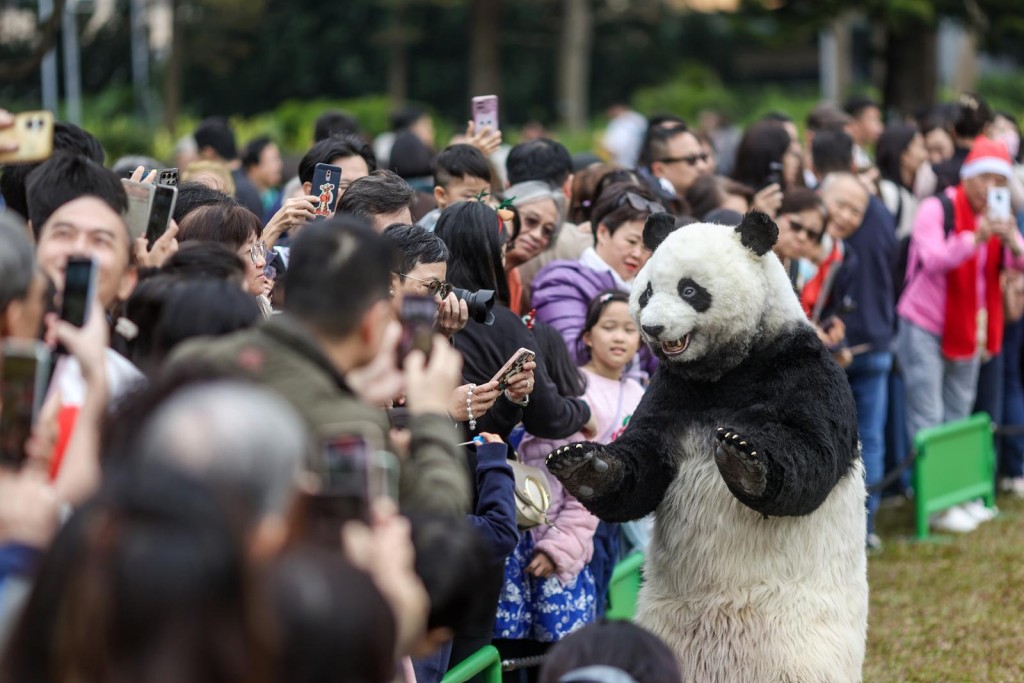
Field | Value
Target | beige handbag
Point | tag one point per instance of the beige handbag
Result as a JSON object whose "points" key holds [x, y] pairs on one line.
{"points": [[533, 495]]}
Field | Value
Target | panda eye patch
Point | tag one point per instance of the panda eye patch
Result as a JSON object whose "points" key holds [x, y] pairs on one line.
{"points": [[646, 296], [694, 294]]}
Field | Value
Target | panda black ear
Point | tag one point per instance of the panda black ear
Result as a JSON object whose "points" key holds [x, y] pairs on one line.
{"points": [[757, 230], [656, 228]]}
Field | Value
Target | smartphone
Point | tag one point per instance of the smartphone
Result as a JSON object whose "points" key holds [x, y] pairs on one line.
{"points": [[79, 288], [399, 417], [23, 376], [33, 133], [513, 367], [419, 314], [485, 112], [140, 200], [164, 198], [167, 176], [774, 174], [999, 203], [325, 186]]}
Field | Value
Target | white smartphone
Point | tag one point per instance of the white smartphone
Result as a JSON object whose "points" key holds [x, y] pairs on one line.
{"points": [[999, 203], [140, 200], [485, 112]]}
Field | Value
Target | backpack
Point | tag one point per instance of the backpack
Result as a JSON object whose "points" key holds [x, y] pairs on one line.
{"points": [[902, 277]]}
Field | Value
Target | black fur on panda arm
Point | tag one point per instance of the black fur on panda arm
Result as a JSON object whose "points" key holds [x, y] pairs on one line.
{"points": [[799, 421], [626, 479]]}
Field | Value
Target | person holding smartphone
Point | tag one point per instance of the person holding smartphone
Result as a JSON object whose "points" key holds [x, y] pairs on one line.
{"points": [[951, 310]]}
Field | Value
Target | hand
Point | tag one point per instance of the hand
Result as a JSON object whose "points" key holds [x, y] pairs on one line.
{"points": [[293, 215], [1005, 229], [380, 380], [452, 315], [982, 230], [401, 441], [486, 140], [484, 397], [490, 438], [521, 384], [6, 121], [541, 566], [29, 509], [589, 430], [768, 199], [88, 343], [429, 385], [139, 172], [164, 248]]}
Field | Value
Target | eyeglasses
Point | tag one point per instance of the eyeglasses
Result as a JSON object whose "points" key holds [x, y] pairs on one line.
{"points": [[639, 203], [690, 159], [258, 251], [440, 287], [813, 235]]}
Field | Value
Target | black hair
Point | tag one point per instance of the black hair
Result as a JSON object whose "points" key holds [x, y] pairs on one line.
{"points": [[192, 195], [972, 115], [855, 106], [415, 245], [214, 132], [230, 225], [67, 137], [381, 192], [891, 145], [618, 644], [333, 622], [144, 307], [612, 208], [65, 177], [827, 116], [334, 122], [832, 151], [458, 162], [776, 115], [657, 137], [406, 116], [338, 270], [338, 146], [707, 193], [595, 309], [474, 235], [203, 308], [553, 352], [800, 199], [452, 562], [762, 144], [146, 582], [252, 151], [539, 159], [202, 259]]}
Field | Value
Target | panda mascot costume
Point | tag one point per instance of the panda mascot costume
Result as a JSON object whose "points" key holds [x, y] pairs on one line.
{"points": [[745, 448]]}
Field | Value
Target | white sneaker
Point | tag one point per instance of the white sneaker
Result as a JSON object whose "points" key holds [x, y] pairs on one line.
{"points": [[1014, 485], [978, 511], [956, 520]]}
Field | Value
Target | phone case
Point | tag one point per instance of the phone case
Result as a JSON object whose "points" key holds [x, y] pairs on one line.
{"points": [[33, 132], [167, 176], [79, 286], [161, 209], [999, 202], [140, 200], [513, 367], [325, 186], [485, 112], [22, 387]]}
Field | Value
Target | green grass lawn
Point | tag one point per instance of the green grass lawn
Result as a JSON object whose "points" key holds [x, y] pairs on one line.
{"points": [[950, 609]]}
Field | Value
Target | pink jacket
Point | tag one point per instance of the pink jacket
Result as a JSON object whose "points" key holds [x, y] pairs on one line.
{"points": [[932, 255]]}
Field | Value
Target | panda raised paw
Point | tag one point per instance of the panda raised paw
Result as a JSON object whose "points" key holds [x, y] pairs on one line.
{"points": [[740, 464], [581, 469]]}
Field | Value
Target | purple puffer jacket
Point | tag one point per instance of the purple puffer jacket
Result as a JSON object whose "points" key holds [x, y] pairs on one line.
{"points": [[562, 291]]}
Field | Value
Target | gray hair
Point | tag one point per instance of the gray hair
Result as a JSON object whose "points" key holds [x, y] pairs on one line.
{"points": [[532, 191], [244, 440], [17, 261]]}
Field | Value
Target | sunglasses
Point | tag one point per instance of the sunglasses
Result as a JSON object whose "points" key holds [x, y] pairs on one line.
{"points": [[691, 159], [639, 203], [813, 235], [435, 286]]}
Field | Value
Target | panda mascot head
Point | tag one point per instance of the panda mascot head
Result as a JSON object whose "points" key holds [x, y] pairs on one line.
{"points": [[710, 293]]}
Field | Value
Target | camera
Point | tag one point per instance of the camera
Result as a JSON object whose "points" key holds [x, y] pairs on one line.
{"points": [[479, 303]]}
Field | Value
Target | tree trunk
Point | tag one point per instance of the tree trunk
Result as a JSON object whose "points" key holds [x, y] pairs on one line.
{"points": [[484, 49], [911, 78], [398, 64], [173, 82], [574, 63]]}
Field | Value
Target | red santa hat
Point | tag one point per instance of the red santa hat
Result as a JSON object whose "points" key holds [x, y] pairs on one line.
{"points": [[987, 156]]}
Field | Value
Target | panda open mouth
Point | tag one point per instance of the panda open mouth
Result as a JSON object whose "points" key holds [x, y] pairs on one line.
{"points": [[674, 348]]}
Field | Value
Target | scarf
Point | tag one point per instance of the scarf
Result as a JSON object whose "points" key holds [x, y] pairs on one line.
{"points": [[960, 332]]}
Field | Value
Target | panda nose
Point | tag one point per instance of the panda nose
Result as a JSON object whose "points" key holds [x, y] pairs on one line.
{"points": [[653, 330]]}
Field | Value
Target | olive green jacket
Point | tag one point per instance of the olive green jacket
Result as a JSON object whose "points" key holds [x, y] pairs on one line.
{"points": [[281, 354]]}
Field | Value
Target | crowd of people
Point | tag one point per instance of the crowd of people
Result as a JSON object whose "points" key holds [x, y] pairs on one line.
{"points": [[246, 464]]}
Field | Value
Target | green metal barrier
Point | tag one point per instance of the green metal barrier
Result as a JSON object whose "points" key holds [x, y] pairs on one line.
{"points": [[955, 463], [484, 661], [624, 587]]}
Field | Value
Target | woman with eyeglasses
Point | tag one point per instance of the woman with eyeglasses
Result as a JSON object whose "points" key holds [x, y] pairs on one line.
{"points": [[238, 229], [563, 290], [801, 220], [540, 212]]}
